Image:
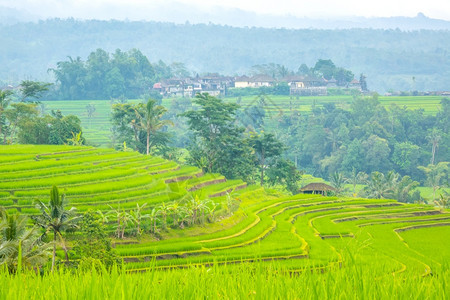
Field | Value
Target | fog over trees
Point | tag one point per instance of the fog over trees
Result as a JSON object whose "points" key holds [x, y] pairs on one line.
{"points": [[391, 59]]}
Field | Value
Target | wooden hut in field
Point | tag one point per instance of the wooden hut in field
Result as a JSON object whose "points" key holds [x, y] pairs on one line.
{"points": [[317, 188]]}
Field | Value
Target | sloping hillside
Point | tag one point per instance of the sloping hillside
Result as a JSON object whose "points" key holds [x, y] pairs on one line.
{"points": [[301, 231]]}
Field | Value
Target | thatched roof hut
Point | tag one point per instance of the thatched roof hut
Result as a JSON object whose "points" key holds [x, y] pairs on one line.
{"points": [[317, 188]]}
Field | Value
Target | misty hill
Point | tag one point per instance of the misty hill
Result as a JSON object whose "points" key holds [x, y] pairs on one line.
{"points": [[389, 58], [180, 13]]}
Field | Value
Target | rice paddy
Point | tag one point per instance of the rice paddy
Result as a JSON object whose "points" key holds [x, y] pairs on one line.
{"points": [[96, 128], [273, 246]]}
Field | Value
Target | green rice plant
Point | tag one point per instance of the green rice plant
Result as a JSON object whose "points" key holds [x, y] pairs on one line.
{"points": [[269, 280], [4, 194], [70, 179], [78, 168]]}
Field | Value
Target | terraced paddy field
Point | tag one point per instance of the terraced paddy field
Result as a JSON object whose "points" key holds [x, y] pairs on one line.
{"points": [[289, 233], [97, 128], [277, 104], [99, 179]]}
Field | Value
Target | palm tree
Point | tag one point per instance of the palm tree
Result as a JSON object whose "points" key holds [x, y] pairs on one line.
{"points": [[204, 208], [434, 137], [90, 110], [163, 210], [338, 181], [19, 246], [149, 119], [376, 187], [4, 102], [333, 138], [175, 209], [357, 178], [403, 188], [126, 218], [212, 215], [195, 206], [138, 216], [229, 204], [55, 218], [443, 202], [435, 175], [118, 213], [153, 216], [76, 139], [382, 186], [103, 216]]}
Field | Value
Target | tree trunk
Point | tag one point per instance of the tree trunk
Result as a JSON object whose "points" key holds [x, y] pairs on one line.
{"points": [[54, 251], [118, 228], [139, 227], [433, 151], [262, 167], [64, 247], [175, 220], [434, 192], [148, 142], [13, 131]]}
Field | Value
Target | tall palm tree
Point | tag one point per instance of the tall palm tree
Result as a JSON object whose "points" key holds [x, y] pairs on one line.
{"points": [[175, 209], [153, 216], [195, 205], [56, 218], [103, 216], [163, 211], [444, 201], [204, 208], [382, 186], [126, 218], [4, 102], [338, 181], [434, 137], [376, 187], [19, 245], [435, 175], [149, 119], [137, 216], [119, 215], [212, 215], [403, 187], [357, 178]]}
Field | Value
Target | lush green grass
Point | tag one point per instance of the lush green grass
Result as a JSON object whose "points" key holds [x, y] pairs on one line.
{"points": [[97, 129], [361, 248], [276, 104], [97, 178], [243, 281]]}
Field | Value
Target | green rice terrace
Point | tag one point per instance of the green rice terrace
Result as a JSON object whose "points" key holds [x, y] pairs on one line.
{"points": [[234, 223], [96, 127]]}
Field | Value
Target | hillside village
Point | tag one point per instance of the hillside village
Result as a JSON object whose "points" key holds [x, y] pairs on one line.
{"points": [[217, 85]]}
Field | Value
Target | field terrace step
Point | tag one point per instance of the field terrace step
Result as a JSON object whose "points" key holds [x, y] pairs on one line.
{"points": [[229, 190], [84, 168], [259, 237], [206, 183], [184, 177]]}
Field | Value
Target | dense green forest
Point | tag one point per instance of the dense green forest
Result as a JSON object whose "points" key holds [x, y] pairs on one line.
{"points": [[261, 142], [104, 76], [110, 190], [391, 59], [365, 137]]}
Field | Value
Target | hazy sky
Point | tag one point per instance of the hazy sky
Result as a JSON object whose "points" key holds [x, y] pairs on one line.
{"points": [[145, 9]]}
